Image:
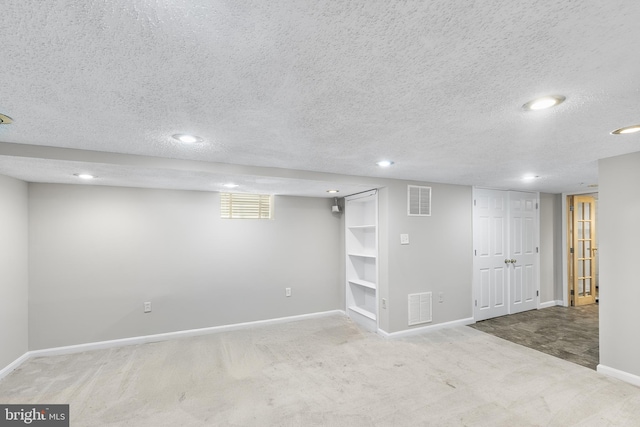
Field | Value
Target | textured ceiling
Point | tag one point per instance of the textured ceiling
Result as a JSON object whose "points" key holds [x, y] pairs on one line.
{"points": [[330, 87]]}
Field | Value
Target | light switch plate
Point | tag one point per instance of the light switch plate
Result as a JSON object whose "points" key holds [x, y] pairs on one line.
{"points": [[404, 239]]}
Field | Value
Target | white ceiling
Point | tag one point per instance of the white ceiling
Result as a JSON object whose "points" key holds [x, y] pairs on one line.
{"points": [[317, 86]]}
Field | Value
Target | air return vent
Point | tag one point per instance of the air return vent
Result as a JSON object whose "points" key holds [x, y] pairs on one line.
{"points": [[419, 308], [419, 200]]}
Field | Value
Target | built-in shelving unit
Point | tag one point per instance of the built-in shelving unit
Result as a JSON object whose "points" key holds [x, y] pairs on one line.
{"points": [[361, 240]]}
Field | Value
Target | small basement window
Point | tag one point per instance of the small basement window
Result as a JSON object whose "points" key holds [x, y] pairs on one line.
{"points": [[245, 206]]}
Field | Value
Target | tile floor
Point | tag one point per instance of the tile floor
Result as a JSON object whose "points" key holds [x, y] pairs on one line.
{"points": [[570, 333]]}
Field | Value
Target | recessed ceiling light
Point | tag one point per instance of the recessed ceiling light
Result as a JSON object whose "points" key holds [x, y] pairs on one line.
{"points": [[384, 163], [544, 102], [187, 139], [625, 130], [333, 191], [84, 176], [5, 120], [230, 185], [530, 177]]}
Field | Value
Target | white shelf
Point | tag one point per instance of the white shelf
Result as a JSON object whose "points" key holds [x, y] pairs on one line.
{"points": [[362, 227], [361, 246], [364, 255], [362, 312], [364, 283]]}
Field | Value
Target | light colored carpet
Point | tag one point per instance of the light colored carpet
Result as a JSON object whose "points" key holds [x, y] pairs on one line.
{"points": [[326, 372]]}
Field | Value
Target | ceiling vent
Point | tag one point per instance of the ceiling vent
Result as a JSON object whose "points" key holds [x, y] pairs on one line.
{"points": [[419, 200], [419, 308]]}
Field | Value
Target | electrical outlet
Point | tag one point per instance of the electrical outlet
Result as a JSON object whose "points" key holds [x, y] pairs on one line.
{"points": [[287, 292], [441, 297], [404, 239], [147, 307]]}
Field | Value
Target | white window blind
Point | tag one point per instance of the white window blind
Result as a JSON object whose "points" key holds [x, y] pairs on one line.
{"points": [[245, 206]]}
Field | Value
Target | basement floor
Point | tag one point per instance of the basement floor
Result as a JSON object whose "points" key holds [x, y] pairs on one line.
{"points": [[570, 333], [324, 372]]}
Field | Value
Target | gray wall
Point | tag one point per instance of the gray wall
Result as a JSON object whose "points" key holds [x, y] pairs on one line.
{"points": [[437, 259], [550, 247], [13, 270], [619, 206], [97, 253]]}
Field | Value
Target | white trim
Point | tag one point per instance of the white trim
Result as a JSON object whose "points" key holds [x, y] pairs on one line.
{"points": [[13, 365], [550, 304], [178, 334], [618, 374], [56, 351], [425, 329], [538, 244]]}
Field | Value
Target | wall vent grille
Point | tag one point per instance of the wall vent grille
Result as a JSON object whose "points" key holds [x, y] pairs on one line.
{"points": [[419, 200], [420, 308]]}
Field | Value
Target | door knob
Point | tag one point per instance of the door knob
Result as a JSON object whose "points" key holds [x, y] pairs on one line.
{"points": [[506, 261], [513, 261]]}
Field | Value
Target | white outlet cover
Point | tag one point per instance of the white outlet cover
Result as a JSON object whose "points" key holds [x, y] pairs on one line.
{"points": [[404, 239]]}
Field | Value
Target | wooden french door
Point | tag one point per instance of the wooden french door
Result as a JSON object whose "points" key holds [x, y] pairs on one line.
{"points": [[505, 236], [582, 250]]}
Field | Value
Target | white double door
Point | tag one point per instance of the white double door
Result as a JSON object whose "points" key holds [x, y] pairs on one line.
{"points": [[505, 240]]}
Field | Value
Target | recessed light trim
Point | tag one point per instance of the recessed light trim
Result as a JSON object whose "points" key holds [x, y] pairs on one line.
{"points": [[626, 130], [230, 185], [544, 102], [333, 191], [5, 120], [384, 163], [85, 176], [187, 139]]}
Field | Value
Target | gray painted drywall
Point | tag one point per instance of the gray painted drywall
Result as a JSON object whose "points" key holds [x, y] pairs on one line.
{"points": [[619, 209], [13, 270], [98, 253], [438, 257], [550, 247]]}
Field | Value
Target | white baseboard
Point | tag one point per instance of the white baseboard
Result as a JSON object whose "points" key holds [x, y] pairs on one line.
{"points": [[56, 351], [13, 365], [621, 375], [429, 328], [551, 303]]}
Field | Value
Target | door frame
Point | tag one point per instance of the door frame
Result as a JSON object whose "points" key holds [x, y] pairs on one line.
{"points": [[565, 255], [474, 293]]}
